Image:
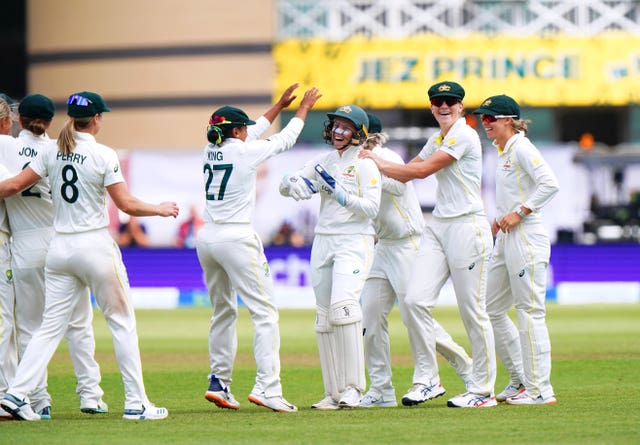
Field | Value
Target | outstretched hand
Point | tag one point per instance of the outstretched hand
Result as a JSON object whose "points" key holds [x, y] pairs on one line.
{"points": [[287, 97], [168, 209], [310, 98]]}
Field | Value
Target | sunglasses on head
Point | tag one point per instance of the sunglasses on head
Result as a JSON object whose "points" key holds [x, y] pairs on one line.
{"points": [[490, 118], [79, 100], [450, 101]]}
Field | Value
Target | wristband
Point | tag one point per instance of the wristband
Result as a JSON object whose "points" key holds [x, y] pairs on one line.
{"points": [[520, 213]]}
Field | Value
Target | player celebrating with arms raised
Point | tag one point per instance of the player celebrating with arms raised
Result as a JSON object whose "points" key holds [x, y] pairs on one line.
{"points": [[231, 253]]}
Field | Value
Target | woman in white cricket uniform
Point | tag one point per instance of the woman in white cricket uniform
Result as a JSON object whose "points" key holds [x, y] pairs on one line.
{"points": [[399, 226], [231, 253], [82, 253], [457, 244], [31, 217], [518, 271], [8, 345], [342, 251]]}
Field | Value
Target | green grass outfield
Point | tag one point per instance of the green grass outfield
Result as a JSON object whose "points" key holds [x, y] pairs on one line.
{"points": [[596, 376]]}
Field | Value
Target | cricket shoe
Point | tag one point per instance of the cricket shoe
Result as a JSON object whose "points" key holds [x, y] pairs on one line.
{"points": [[510, 390], [149, 412], [472, 400], [100, 408], [275, 403], [373, 399], [525, 399], [326, 404], [350, 398], [45, 413], [220, 396], [19, 409], [421, 393], [5, 415]]}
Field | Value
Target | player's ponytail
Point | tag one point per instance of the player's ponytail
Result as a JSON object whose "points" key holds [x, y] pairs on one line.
{"points": [[66, 139], [215, 135]]}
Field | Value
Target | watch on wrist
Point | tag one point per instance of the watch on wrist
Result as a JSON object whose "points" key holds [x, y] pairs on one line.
{"points": [[520, 213]]}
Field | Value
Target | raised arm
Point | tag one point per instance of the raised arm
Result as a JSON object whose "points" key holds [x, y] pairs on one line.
{"points": [[284, 101]]}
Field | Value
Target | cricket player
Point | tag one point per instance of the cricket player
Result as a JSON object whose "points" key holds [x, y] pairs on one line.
{"points": [[8, 346], [231, 253], [342, 251], [31, 217], [518, 270], [457, 244], [82, 253], [399, 226]]}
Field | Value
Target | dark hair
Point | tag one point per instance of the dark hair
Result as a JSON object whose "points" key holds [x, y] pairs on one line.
{"points": [[35, 125], [216, 134]]}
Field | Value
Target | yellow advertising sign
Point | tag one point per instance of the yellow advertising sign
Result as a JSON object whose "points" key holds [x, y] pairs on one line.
{"points": [[536, 71]]}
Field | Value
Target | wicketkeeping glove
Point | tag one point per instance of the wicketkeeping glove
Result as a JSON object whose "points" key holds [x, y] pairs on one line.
{"points": [[333, 187], [298, 187]]}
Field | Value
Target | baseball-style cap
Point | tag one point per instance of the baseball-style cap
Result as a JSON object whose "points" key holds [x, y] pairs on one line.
{"points": [[375, 126], [353, 114], [228, 115], [446, 88], [85, 104], [37, 106], [501, 105]]}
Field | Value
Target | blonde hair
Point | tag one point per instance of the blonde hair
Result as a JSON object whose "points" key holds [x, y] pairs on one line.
{"points": [[66, 139], [375, 139], [520, 125]]}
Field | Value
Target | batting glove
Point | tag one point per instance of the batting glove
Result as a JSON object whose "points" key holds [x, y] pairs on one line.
{"points": [[298, 187], [333, 187]]}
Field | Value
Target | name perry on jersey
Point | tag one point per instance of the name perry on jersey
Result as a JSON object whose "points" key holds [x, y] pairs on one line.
{"points": [[71, 157]]}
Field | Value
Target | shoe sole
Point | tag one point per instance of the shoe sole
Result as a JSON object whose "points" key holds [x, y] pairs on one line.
{"points": [[410, 402], [220, 402], [93, 411], [259, 402]]}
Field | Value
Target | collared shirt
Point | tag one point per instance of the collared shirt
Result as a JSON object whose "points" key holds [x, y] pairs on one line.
{"points": [[523, 178], [459, 184]]}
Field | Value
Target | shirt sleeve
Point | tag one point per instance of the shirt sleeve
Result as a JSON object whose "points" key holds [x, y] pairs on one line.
{"points": [[546, 183], [113, 172], [277, 143], [390, 185], [367, 201]]}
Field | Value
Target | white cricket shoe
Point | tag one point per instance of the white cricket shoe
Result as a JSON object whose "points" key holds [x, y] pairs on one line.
{"points": [[19, 409], [472, 400], [100, 408], [275, 403], [219, 395], [373, 399], [525, 399], [149, 412], [350, 398], [326, 404], [509, 391], [421, 393]]}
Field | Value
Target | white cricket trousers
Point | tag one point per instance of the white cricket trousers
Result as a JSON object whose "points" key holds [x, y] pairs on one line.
{"points": [[234, 264], [459, 248], [29, 256], [387, 280], [75, 261], [518, 276], [8, 346]]}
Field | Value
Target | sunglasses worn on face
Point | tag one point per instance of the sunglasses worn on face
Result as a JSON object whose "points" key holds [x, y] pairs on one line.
{"points": [[79, 100], [490, 118], [438, 101]]}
